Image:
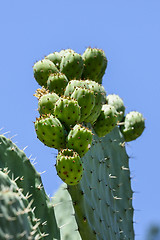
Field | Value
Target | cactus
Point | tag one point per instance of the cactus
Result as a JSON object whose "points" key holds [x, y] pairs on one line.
{"points": [[133, 127], [67, 111], [57, 83], [16, 216], [50, 131], [117, 102], [69, 166], [42, 69], [106, 121], [95, 202], [46, 103], [71, 65], [95, 63]]}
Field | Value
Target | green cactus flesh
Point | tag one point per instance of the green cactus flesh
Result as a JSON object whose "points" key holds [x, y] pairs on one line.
{"points": [[79, 139], [95, 63], [57, 82], [72, 65], [67, 111], [106, 121], [117, 102], [103, 199], [86, 100], [42, 69], [69, 166], [47, 103], [64, 213], [55, 58], [50, 131], [133, 127], [19, 166], [17, 219]]}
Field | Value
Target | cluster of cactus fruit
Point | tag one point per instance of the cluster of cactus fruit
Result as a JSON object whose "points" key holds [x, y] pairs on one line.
{"points": [[89, 129], [71, 98]]}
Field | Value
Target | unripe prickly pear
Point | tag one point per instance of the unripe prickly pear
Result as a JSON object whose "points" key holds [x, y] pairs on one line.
{"points": [[86, 100], [72, 65], [117, 102], [42, 69], [79, 139], [47, 103], [67, 111], [69, 166], [57, 82], [55, 58], [50, 131], [72, 86], [95, 63], [100, 99], [106, 121], [133, 127]]}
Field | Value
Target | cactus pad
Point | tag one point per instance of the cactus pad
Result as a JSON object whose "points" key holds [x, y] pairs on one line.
{"points": [[55, 58]]}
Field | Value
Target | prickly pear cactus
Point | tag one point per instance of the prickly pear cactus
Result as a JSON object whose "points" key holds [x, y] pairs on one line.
{"points": [[27, 178]]}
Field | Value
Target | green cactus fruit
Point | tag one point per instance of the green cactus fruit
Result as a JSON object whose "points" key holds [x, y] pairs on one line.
{"points": [[106, 121], [86, 100], [79, 139], [42, 69], [57, 82], [72, 86], [117, 102], [72, 65], [55, 58], [134, 125], [68, 111], [65, 51], [69, 166], [47, 103], [95, 63], [100, 99], [50, 131]]}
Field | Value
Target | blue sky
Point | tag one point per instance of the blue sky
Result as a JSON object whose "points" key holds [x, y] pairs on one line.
{"points": [[129, 33]]}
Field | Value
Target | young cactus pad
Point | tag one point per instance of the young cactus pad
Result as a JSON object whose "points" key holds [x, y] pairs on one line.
{"points": [[134, 125], [50, 131], [79, 139], [69, 166]]}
